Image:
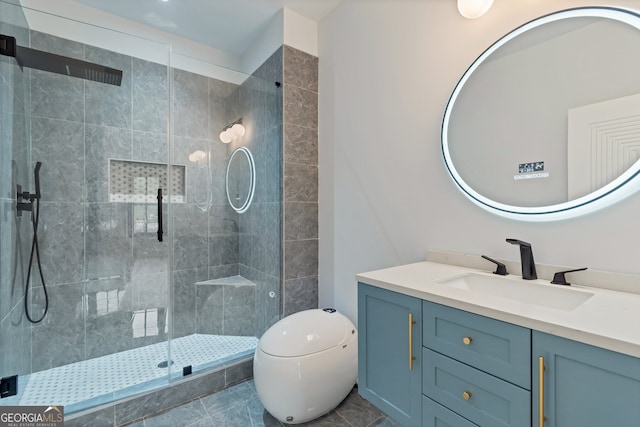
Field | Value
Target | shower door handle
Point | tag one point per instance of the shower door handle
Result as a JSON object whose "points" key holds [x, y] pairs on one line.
{"points": [[160, 231]]}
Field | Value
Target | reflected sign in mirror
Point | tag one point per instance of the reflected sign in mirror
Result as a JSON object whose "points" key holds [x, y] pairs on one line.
{"points": [[545, 124], [240, 179]]}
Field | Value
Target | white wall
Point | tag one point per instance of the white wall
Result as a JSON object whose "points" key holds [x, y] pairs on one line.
{"points": [[287, 27], [387, 68]]}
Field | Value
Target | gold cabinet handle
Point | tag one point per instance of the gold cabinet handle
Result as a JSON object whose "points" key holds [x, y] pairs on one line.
{"points": [[466, 395], [467, 340], [541, 418], [411, 356]]}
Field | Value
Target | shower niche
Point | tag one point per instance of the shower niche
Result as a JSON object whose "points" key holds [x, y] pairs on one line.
{"points": [[138, 182]]}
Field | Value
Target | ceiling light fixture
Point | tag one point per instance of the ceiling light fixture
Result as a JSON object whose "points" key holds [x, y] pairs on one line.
{"points": [[232, 131], [474, 8]]}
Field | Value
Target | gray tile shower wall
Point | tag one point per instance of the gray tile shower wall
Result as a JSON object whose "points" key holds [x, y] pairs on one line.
{"points": [[300, 181], [85, 242], [260, 255], [91, 248]]}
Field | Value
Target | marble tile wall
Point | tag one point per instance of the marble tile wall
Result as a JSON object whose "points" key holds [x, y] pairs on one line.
{"points": [[97, 269], [300, 181], [261, 225]]}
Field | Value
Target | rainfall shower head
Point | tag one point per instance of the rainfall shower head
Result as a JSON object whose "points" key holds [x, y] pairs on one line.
{"points": [[45, 61]]}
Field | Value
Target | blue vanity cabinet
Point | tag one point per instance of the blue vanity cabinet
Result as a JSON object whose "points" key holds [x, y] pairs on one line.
{"points": [[582, 385], [477, 367], [429, 365], [389, 349]]}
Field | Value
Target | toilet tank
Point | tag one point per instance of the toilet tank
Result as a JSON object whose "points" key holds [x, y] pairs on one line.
{"points": [[307, 332], [306, 364]]}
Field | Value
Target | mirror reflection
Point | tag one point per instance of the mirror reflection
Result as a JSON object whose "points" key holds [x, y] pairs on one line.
{"points": [[549, 116], [240, 179]]}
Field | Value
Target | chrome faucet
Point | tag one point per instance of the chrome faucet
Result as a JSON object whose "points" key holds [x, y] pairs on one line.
{"points": [[526, 259]]}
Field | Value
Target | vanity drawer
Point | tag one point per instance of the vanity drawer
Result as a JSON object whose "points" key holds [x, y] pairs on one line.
{"points": [[436, 415], [493, 346], [477, 396]]}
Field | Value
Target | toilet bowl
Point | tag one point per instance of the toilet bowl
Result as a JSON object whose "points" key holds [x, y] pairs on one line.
{"points": [[306, 364]]}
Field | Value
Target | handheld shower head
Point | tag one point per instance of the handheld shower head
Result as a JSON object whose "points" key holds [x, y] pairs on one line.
{"points": [[36, 175]]}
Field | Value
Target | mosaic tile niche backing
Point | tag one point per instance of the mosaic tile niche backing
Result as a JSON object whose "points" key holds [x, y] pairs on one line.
{"points": [[138, 182]]}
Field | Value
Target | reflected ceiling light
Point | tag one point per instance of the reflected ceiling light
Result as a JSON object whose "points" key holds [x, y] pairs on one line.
{"points": [[232, 131], [474, 8], [197, 156]]}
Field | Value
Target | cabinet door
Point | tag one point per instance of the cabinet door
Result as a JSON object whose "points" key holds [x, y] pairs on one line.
{"points": [[582, 385], [389, 343]]}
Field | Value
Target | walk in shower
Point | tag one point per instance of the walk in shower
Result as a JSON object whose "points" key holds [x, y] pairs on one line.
{"points": [[127, 309]]}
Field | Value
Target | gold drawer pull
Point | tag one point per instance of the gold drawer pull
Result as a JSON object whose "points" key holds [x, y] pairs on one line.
{"points": [[466, 395], [411, 356], [466, 340], [541, 369]]}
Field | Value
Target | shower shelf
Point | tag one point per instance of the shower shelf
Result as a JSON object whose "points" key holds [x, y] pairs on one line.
{"points": [[227, 281]]}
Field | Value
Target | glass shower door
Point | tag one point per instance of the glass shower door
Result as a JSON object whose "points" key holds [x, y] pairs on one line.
{"points": [[102, 149], [227, 262], [125, 312], [15, 334]]}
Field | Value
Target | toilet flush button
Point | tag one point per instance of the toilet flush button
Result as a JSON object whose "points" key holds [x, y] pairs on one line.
{"points": [[329, 310]]}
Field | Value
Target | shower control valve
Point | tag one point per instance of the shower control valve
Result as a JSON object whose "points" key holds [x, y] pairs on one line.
{"points": [[21, 205]]}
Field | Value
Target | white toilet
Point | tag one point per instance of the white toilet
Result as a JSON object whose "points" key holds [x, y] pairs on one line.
{"points": [[306, 364]]}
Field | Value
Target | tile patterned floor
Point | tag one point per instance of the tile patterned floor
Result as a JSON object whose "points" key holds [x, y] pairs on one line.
{"points": [[239, 406]]}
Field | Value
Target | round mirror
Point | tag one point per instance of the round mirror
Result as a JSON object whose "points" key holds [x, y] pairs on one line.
{"points": [[240, 180], [545, 124]]}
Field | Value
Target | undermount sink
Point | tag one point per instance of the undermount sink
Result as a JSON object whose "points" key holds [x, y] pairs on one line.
{"points": [[523, 291]]}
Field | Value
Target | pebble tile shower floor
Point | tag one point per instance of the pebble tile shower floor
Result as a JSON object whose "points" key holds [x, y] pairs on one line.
{"points": [[97, 381]]}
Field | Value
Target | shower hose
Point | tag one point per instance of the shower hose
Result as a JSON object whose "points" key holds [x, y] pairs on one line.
{"points": [[35, 218]]}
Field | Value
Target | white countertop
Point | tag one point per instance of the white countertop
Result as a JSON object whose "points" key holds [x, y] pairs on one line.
{"points": [[609, 319]]}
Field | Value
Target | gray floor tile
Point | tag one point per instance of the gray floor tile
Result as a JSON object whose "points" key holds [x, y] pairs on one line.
{"points": [[239, 406], [188, 414], [357, 411]]}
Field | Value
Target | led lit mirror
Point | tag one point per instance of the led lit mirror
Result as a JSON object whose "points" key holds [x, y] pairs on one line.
{"points": [[240, 180], [545, 124]]}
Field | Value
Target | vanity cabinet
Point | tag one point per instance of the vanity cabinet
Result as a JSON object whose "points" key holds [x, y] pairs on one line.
{"points": [[477, 367], [582, 385], [389, 348], [471, 370]]}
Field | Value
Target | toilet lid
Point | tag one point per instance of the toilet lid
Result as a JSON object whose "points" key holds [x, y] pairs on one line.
{"points": [[306, 332]]}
